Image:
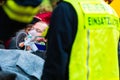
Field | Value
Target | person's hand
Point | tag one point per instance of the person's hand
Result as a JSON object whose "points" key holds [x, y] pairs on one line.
{"points": [[21, 44], [28, 48], [41, 39]]}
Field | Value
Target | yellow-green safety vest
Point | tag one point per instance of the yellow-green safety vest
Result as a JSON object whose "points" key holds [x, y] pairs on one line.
{"points": [[18, 12], [94, 54]]}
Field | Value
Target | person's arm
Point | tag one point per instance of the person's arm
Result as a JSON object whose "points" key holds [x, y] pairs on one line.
{"points": [[61, 35], [20, 38]]}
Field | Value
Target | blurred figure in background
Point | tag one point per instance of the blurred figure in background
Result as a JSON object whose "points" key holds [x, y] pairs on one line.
{"points": [[45, 6], [54, 3], [14, 15]]}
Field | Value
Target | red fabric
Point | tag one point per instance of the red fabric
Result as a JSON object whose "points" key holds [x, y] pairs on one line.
{"points": [[7, 43], [44, 16]]}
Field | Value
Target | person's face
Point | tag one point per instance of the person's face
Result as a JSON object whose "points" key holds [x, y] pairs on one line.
{"points": [[39, 28]]}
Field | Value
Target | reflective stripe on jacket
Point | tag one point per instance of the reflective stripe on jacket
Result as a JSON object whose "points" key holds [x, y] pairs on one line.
{"points": [[19, 12]]}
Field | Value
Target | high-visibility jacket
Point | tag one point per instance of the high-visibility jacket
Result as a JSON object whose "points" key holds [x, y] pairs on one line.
{"points": [[19, 12], [94, 54]]}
